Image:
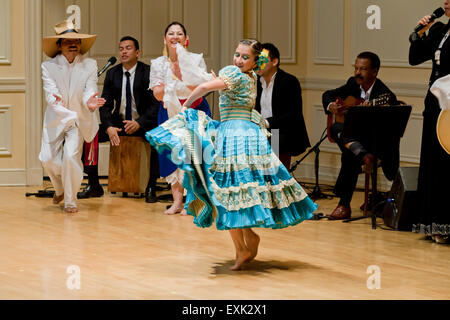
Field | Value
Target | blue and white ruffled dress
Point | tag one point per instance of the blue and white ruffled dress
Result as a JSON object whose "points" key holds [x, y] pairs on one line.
{"points": [[231, 173]]}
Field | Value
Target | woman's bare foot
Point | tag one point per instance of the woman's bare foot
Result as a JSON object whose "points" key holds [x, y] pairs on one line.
{"points": [[174, 209], [70, 209], [241, 258], [252, 244], [58, 199], [184, 212]]}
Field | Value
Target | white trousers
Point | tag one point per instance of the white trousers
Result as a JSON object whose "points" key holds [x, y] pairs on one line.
{"points": [[61, 159]]}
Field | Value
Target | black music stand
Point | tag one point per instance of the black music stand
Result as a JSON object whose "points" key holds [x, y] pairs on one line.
{"points": [[379, 129]]}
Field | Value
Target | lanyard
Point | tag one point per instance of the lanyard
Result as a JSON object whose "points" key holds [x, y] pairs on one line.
{"points": [[437, 54]]}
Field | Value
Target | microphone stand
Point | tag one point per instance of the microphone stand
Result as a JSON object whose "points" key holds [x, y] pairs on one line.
{"points": [[316, 193], [41, 194], [44, 193]]}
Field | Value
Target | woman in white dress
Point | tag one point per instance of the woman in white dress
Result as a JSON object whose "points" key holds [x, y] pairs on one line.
{"points": [[167, 84]]}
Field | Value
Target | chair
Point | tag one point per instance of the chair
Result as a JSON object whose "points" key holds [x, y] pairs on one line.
{"points": [[129, 165], [370, 173]]}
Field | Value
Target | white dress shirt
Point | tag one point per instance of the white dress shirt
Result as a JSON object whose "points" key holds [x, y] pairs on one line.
{"points": [[123, 103], [71, 66], [366, 94], [266, 96]]}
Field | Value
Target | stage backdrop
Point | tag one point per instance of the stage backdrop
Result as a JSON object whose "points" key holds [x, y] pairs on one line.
{"points": [[318, 40], [145, 20], [337, 30]]}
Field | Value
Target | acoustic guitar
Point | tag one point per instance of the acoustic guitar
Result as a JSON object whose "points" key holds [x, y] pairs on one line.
{"points": [[443, 130], [352, 101]]}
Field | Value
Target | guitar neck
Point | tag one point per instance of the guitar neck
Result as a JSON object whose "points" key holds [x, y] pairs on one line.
{"points": [[378, 101]]}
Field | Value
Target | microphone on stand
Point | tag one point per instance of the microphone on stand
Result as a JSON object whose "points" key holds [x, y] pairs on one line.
{"points": [[439, 12], [111, 61]]}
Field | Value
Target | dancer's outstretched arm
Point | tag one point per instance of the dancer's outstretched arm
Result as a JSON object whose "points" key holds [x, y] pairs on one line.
{"points": [[203, 89], [158, 92]]}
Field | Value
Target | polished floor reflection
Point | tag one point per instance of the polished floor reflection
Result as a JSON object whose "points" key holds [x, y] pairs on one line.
{"points": [[124, 248]]}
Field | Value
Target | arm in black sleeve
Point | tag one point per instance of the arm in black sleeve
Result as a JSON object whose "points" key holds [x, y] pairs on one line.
{"points": [[393, 99], [108, 95], [150, 106], [148, 120], [293, 105], [419, 51], [330, 96], [383, 89], [421, 48]]}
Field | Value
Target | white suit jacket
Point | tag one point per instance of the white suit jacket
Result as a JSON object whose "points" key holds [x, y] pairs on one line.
{"points": [[75, 93]]}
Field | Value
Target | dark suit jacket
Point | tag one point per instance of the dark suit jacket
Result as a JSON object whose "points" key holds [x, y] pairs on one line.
{"points": [[351, 88], [287, 113], [146, 104], [389, 153]]}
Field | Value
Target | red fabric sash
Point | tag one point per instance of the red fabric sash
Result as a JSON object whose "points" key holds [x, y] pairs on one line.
{"points": [[91, 152], [194, 105]]}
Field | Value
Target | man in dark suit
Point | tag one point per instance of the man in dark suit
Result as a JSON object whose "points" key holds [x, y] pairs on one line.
{"points": [[279, 101], [130, 108], [363, 85]]}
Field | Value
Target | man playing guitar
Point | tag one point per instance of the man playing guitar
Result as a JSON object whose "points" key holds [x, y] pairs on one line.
{"points": [[365, 89]]}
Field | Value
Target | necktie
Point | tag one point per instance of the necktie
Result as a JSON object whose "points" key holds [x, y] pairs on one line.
{"points": [[128, 96]]}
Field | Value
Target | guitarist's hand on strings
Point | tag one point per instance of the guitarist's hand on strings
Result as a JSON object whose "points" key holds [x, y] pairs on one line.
{"points": [[334, 107]]}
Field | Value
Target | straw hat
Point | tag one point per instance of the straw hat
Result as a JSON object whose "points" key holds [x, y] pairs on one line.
{"points": [[66, 30]]}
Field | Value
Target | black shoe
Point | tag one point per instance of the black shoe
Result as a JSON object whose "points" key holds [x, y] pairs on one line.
{"points": [[91, 192], [150, 196]]}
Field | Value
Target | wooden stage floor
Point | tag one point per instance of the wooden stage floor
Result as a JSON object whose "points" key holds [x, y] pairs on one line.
{"points": [[124, 248]]}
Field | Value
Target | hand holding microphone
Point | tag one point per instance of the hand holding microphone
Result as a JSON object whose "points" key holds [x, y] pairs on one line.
{"points": [[425, 23]]}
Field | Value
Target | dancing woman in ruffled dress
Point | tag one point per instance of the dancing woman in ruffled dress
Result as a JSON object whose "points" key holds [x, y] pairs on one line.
{"points": [[230, 167]]}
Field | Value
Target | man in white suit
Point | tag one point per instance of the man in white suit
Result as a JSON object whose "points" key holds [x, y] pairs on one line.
{"points": [[70, 86]]}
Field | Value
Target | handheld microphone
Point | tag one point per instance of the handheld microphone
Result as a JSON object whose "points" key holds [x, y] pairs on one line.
{"points": [[111, 61], [439, 12]]}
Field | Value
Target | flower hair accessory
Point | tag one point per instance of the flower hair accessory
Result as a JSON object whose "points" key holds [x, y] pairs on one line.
{"points": [[262, 60]]}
